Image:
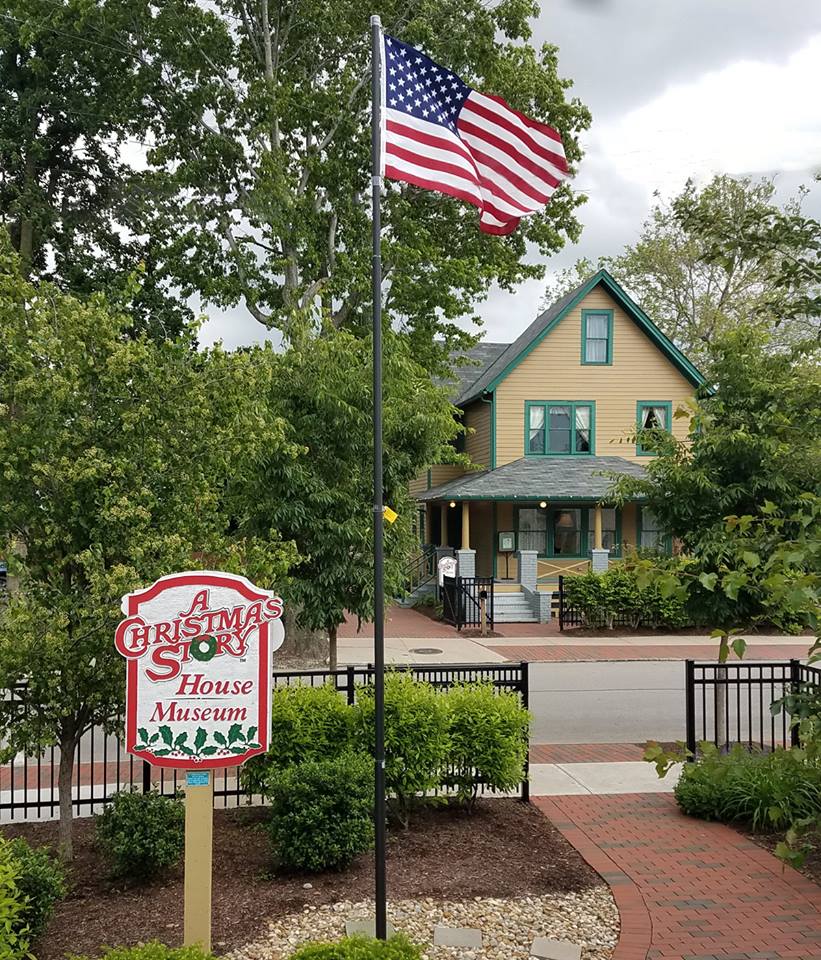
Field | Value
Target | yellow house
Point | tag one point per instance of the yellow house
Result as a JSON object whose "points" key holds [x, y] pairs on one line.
{"points": [[547, 417]]}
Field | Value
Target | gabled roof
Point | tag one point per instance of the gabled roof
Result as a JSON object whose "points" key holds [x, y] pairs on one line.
{"points": [[537, 478], [515, 352], [482, 356]]}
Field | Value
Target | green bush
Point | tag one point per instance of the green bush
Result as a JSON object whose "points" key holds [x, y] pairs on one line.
{"points": [[41, 881], [768, 791], [322, 812], [153, 951], [307, 723], [142, 834], [361, 948], [601, 598], [488, 739], [416, 737], [15, 935]]}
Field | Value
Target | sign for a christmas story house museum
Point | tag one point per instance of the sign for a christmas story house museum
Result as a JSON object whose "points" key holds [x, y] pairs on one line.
{"points": [[198, 647]]}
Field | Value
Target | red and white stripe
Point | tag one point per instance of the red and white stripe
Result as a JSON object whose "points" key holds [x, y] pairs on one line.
{"points": [[502, 162]]}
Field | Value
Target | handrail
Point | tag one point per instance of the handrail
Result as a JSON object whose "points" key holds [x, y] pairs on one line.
{"points": [[421, 569]]}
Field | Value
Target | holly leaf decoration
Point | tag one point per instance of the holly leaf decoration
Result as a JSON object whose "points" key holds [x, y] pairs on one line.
{"points": [[180, 740], [187, 751], [142, 733], [140, 746], [161, 753], [235, 733], [154, 738], [208, 751], [252, 732], [201, 737], [254, 746], [167, 735], [238, 749], [220, 738]]}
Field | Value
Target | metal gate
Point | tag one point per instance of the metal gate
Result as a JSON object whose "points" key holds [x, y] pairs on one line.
{"points": [[462, 599]]}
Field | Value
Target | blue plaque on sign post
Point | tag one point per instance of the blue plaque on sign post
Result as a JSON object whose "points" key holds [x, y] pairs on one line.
{"points": [[197, 778]]}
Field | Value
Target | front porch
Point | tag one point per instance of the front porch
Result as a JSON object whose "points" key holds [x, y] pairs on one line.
{"points": [[528, 523]]}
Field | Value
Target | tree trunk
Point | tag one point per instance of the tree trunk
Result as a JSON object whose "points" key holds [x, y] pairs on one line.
{"points": [[332, 648], [68, 747], [301, 646]]}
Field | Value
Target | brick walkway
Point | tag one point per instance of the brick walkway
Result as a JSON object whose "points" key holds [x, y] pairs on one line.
{"points": [[585, 752], [563, 652], [686, 889]]}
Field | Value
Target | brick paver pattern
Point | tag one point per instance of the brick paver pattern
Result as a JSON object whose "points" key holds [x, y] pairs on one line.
{"points": [[687, 889], [585, 752], [559, 652]]}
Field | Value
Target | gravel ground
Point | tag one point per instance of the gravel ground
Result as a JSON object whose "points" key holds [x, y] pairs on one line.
{"points": [[588, 918]]}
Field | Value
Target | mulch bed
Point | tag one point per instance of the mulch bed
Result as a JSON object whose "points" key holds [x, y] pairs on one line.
{"points": [[811, 867], [505, 849]]}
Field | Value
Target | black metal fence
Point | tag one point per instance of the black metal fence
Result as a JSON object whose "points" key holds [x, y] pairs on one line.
{"points": [[462, 601], [28, 784], [730, 703]]}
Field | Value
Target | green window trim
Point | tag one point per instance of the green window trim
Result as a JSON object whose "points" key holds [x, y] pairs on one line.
{"points": [[640, 405], [585, 529], [667, 542], [586, 314], [572, 404]]}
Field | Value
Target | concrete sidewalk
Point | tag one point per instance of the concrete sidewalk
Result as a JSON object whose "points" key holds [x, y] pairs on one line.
{"points": [[572, 779]]}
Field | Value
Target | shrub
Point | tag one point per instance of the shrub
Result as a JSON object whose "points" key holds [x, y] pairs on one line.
{"points": [[142, 834], [601, 598], [153, 951], [41, 881], [15, 936], [416, 737], [768, 791], [321, 812], [488, 736], [307, 723], [361, 948]]}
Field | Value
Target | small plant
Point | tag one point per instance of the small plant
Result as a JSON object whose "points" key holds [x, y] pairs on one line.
{"points": [[152, 951], [41, 881], [361, 948], [488, 735], [321, 812], [15, 936], [416, 738], [307, 723], [142, 834]]}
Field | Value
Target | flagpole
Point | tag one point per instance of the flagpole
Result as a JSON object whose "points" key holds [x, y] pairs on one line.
{"points": [[378, 508]]}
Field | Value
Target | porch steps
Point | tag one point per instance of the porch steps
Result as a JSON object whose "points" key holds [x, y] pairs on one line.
{"points": [[511, 606]]}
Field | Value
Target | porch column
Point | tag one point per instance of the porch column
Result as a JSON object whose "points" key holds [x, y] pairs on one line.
{"points": [[600, 558], [465, 525], [443, 533], [597, 544]]}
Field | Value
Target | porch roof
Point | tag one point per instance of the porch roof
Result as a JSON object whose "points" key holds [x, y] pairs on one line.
{"points": [[538, 478]]}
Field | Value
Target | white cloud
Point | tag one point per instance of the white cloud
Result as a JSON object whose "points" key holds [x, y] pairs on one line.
{"points": [[747, 116]]}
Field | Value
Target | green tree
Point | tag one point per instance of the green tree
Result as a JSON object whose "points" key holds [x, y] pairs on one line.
{"points": [[322, 499], [717, 257], [257, 178], [118, 456]]}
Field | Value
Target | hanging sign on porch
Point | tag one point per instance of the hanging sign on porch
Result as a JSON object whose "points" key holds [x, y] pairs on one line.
{"points": [[198, 647]]}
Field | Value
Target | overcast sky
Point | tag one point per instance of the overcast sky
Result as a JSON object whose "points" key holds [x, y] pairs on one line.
{"points": [[677, 88]]}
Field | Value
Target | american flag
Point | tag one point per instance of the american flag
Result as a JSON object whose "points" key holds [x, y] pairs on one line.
{"points": [[439, 133]]}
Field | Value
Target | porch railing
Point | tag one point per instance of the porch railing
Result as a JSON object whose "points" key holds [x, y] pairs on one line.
{"points": [[421, 569], [549, 570]]}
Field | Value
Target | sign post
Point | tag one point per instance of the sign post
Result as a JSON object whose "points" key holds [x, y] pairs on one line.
{"points": [[198, 648]]}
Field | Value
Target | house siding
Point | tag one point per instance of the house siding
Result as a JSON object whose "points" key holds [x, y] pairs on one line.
{"points": [[553, 371], [477, 439]]}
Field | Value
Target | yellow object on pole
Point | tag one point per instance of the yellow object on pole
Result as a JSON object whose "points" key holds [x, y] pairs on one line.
{"points": [[465, 525], [390, 515], [199, 829], [597, 538]]}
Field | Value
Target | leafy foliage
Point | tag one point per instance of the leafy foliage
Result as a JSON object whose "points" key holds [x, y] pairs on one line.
{"points": [[257, 164], [153, 951], [621, 593], [307, 723], [120, 459], [717, 257], [416, 737], [488, 733], [41, 881], [361, 948], [15, 935], [322, 812], [768, 791], [142, 834]]}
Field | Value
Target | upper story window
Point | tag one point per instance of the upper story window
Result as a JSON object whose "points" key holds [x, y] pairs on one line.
{"points": [[561, 427], [597, 336], [653, 415]]}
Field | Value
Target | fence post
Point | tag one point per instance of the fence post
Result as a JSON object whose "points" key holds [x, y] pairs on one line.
{"points": [[146, 777], [524, 687], [561, 603], [350, 687], [795, 687], [690, 707]]}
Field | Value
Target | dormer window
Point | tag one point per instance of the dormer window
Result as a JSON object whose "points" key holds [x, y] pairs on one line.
{"points": [[597, 336]]}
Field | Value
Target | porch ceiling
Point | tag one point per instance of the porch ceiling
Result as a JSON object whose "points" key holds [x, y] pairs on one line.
{"points": [[537, 478]]}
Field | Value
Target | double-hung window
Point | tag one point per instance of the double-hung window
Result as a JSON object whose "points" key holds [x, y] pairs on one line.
{"points": [[653, 415], [651, 534], [597, 336], [559, 428]]}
